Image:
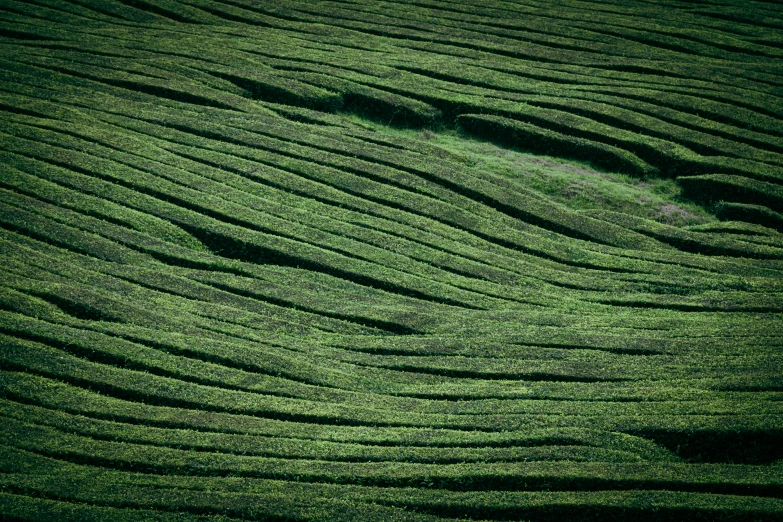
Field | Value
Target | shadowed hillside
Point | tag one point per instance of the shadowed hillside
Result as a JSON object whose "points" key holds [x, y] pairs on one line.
{"points": [[387, 260]]}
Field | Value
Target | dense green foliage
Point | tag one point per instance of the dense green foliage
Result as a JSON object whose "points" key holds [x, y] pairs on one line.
{"points": [[385, 260]]}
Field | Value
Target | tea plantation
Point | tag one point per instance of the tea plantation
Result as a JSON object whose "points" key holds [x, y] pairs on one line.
{"points": [[378, 260]]}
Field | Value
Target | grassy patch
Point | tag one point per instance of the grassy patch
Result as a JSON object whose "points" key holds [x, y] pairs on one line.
{"points": [[576, 184]]}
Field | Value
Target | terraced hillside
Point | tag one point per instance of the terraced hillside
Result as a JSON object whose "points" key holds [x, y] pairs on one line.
{"points": [[386, 260]]}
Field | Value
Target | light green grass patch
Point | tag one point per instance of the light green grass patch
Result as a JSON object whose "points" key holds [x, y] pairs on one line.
{"points": [[575, 184]]}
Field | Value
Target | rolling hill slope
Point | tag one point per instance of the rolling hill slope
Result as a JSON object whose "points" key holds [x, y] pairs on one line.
{"points": [[341, 260]]}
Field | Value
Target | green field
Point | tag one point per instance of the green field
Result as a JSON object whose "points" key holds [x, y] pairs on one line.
{"points": [[391, 260]]}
